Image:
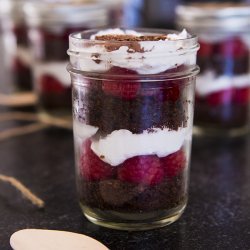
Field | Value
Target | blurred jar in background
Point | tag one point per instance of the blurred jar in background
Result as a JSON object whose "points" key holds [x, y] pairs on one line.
{"points": [[16, 52], [223, 86], [50, 24], [148, 13], [116, 11]]}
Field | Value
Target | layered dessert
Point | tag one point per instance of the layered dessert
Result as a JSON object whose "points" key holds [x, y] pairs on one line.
{"points": [[50, 25], [52, 78], [223, 86], [132, 110]]}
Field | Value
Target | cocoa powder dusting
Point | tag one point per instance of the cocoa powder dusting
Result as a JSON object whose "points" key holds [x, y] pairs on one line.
{"points": [[132, 42], [95, 57]]}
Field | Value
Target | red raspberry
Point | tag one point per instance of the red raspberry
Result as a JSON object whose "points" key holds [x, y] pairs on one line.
{"points": [[141, 170], [120, 86], [206, 49], [242, 95], [162, 91], [171, 93], [92, 167], [223, 97], [233, 47], [51, 85], [174, 163]]}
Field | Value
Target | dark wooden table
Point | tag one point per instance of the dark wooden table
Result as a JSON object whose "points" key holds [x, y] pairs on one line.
{"points": [[217, 216]]}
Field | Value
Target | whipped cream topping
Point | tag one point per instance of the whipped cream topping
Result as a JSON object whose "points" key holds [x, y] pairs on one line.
{"points": [[55, 69], [208, 83], [116, 31], [154, 57]]}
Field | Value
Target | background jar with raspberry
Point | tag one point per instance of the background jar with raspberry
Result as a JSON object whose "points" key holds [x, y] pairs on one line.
{"points": [[223, 85], [49, 27]]}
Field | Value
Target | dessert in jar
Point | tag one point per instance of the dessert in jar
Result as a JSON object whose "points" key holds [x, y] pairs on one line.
{"points": [[16, 52], [223, 86], [133, 94], [50, 24]]}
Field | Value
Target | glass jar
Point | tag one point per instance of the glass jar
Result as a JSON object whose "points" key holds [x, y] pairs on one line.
{"points": [[223, 86], [116, 11], [49, 27], [16, 50], [132, 120]]}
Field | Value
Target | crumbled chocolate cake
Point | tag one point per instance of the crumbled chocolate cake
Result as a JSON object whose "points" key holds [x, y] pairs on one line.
{"points": [[131, 38], [132, 42], [159, 107], [130, 198]]}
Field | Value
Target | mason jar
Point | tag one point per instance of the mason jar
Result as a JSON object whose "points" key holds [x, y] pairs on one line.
{"points": [[49, 27], [223, 86], [16, 52], [133, 100]]}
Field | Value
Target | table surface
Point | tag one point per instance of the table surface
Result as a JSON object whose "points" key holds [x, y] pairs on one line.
{"points": [[217, 215]]}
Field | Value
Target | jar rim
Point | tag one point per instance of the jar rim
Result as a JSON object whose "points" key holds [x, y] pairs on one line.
{"points": [[82, 35], [145, 57], [164, 76], [215, 16], [79, 41], [63, 12]]}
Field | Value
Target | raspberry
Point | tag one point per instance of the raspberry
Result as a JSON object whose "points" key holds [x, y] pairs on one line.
{"points": [[116, 85], [174, 163], [223, 97], [165, 90], [242, 95], [168, 91], [141, 170], [51, 85], [92, 167], [171, 93], [206, 49]]}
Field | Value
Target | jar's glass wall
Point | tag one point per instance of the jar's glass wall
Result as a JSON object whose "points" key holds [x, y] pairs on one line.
{"points": [[146, 187]]}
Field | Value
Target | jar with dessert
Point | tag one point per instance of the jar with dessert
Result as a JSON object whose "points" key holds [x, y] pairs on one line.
{"points": [[133, 99], [50, 24], [223, 86], [16, 52]]}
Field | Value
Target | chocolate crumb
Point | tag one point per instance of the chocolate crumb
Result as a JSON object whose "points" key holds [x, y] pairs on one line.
{"points": [[132, 42], [131, 38], [102, 156], [96, 57]]}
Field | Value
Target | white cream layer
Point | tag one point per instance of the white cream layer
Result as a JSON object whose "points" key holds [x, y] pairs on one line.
{"points": [[24, 55], [56, 69], [208, 83], [158, 56], [122, 144]]}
